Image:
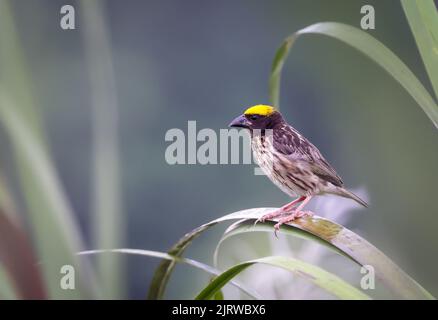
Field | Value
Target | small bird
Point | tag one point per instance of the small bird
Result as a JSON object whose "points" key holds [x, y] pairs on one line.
{"points": [[290, 161]]}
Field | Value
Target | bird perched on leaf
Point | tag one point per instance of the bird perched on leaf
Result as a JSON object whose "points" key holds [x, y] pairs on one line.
{"points": [[291, 161]]}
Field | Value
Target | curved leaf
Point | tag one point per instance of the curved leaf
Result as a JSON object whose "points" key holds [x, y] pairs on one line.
{"points": [[164, 270], [245, 226], [423, 20], [369, 46], [166, 256], [55, 230], [316, 275], [107, 202], [345, 240], [49, 211]]}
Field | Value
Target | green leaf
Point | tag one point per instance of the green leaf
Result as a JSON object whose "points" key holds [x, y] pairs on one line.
{"points": [[423, 20], [245, 226], [352, 245], [369, 46], [108, 224], [219, 295], [55, 232], [168, 257], [164, 270], [341, 241], [316, 275], [277, 66]]}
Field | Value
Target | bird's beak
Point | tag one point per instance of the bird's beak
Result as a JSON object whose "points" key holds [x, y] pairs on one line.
{"points": [[240, 122]]}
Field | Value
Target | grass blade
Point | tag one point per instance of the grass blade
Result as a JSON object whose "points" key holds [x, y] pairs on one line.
{"points": [[423, 20], [245, 226], [168, 257], [107, 222], [316, 275], [336, 235], [219, 295], [14, 78], [369, 46], [276, 69], [55, 231], [164, 270], [345, 242]]}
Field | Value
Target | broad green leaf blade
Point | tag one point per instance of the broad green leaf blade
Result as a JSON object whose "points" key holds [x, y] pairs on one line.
{"points": [[336, 235], [56, 234], [245, 226], [164, 270], [55, 231], [369, 46], [107, 210], [20, 264], [168, 257], [13, 76], [345, 242], [423, 20], [277, 66], [316, 275], [218, 295]]}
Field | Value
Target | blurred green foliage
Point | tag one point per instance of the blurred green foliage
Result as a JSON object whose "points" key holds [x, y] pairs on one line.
{"points": [[173, 64]]}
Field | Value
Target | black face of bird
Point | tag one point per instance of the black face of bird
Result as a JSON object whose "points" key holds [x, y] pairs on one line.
{"points": [[257, 121], [252, 121]]}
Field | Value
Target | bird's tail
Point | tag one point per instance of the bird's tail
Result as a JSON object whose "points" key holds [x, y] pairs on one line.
{"points": [[348, 194]]}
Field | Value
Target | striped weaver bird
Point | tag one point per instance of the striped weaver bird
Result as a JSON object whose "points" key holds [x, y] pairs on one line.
{"points": [[290, 161]]}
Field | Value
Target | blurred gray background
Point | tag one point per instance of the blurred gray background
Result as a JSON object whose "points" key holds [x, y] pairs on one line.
{"points": [[207, 61]]}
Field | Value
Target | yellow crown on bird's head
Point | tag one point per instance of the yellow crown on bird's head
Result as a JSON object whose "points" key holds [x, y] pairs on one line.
{"points": [[260, 109]]}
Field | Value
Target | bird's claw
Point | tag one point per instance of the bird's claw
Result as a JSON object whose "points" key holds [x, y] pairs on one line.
{"points": [[277, 229], [294, 216], [303, 214], [261, 219], [268, 216], [286, 219], [265, 217]]}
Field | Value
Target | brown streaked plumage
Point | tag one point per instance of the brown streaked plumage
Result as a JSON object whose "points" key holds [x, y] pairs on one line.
{"points": [[290, 161]]}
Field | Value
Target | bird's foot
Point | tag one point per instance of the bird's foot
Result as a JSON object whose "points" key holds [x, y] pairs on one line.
{"points": [[274, 214], [295, 215], [287, 208]]}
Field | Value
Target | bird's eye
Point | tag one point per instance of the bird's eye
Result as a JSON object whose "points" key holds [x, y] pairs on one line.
{"points": [[254, 117]]}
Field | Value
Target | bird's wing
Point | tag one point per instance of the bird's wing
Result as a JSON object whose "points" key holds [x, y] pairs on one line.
{"points": [[326, 172], [296, 147]]}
